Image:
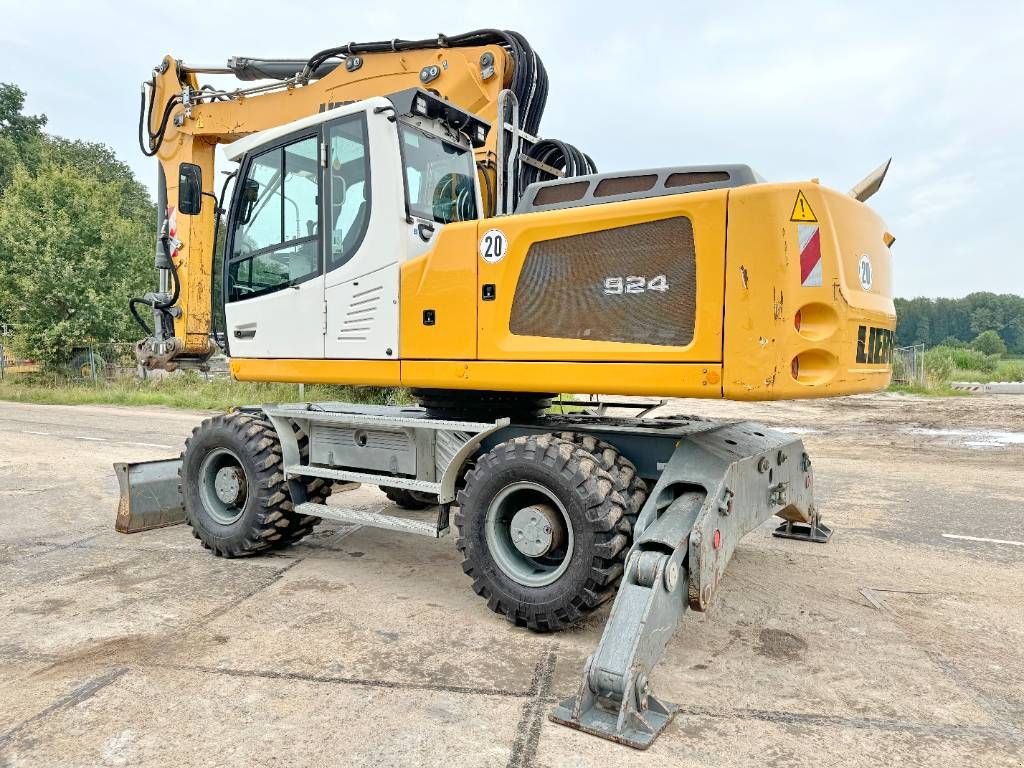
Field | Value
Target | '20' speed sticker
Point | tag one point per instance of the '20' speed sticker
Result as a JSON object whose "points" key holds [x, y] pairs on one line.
{"points": [[493, 246]]}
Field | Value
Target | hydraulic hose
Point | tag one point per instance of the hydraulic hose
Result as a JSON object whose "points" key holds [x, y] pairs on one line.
{"points": [[214, 316], [559, 155], [152, 146], [161, 306], [529, 77]]}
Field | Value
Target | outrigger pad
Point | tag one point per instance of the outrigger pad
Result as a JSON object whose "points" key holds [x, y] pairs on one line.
{"points": [[815, 531], [150, 497], [639, 730]]}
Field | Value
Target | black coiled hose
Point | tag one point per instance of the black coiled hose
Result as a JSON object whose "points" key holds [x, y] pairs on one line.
{"points": [[557, 154]]}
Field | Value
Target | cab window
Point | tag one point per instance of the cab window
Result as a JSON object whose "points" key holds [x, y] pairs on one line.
{"points": [[348, 189], [439, 177], [275, 243]]}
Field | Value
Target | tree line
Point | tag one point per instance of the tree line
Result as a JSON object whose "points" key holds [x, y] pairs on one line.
{"points": [[956, 322], [76, 238]]}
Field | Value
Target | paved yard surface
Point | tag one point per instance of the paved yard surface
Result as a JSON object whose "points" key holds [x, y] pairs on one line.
{"points": [[362, 647]]}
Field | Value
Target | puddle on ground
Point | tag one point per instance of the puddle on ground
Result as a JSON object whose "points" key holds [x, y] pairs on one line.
{"points": [[971, 438]]}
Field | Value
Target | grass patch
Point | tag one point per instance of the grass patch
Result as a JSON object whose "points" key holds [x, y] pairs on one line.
{"points": [[935, 390], [187, 390]]}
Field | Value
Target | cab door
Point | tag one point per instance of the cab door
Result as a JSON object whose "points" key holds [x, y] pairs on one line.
{"points": [[274, 291], [364, 227]]}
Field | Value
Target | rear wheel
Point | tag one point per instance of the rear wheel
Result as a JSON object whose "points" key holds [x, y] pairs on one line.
{"points": [[237, 500], [85, 365], [623, 471], [539, 531], [407, 499]]}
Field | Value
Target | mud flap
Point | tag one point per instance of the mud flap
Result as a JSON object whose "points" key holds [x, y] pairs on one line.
{"points": [[149, 495]]}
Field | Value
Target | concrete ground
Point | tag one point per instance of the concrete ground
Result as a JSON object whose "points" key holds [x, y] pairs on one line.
{"points": [[363, 647]]}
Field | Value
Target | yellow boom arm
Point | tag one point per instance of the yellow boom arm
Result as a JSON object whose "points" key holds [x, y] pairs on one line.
{"points": [[185, 122]]}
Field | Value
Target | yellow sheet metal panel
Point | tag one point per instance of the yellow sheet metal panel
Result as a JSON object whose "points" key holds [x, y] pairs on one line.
{"points": [[808, 278], [438, 297], [634, 264], [662, 379], [377, 373]]}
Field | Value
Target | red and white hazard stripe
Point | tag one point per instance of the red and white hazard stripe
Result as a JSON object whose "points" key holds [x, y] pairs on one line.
{"points": [[810, 255]]}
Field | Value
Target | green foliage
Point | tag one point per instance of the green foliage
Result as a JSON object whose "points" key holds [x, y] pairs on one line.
{"points": [[187, 390], [68, 261], [939, 365], [76, 232], [100, 162], [945, 364], [21, 136], [955, 322], [933, 390], [989, 343], [1010, 370]]}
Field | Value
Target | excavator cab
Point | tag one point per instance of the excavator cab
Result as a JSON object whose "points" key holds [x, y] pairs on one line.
{"points": [[327, 209]]}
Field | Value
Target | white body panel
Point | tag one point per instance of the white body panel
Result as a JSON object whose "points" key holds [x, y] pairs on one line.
{"points": [[362, 294], [287, 323], [362, 316]]}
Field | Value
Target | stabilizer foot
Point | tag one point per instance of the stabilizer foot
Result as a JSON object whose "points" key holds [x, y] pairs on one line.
{"points": [[635, 721], [815, 531]]}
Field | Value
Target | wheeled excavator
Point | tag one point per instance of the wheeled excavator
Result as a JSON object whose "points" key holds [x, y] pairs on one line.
{"points": [[397, 220]]}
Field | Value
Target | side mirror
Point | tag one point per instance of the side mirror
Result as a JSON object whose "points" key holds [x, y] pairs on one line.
{"points": [[190, 189], [250, 194]]}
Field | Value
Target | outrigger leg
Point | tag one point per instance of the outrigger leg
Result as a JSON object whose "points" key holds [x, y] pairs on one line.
{"points": [[718, 486]]}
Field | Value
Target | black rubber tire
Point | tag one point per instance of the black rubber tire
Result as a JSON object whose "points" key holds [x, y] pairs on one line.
{"points": [[314, 489], [474, 405], [405, 498], [595, 510], [623, 471], [268, 520], [81, 364]]}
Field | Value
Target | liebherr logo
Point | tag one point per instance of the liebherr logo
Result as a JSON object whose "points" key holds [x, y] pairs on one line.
{"points": [[874, 345], [326, 105]]}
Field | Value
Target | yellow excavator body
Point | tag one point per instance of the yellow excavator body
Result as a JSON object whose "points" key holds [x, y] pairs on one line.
{"points": [[756, 291], [763, 320]]}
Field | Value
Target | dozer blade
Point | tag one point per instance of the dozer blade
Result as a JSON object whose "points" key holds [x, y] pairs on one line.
{"points": [[149, 495]]}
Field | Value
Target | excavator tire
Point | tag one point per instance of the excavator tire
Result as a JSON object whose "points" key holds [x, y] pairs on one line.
{"points": [[623, 471], [473, 405], [237, 500], [545, 478], [407, 499]]}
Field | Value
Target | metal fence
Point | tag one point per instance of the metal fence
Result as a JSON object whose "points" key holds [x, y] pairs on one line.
{"points": [[908, 365], [96, 363]]}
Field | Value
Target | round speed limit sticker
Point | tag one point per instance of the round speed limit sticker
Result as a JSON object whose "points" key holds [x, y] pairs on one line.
{"points": [[493, 246]]}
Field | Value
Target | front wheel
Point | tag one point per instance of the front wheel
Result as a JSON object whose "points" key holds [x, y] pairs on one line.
{"points": [[541, 531], [237, 500]]}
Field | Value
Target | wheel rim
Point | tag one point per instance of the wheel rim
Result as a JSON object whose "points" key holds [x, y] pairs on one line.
{"points": [[223, 485], [515, 527]]}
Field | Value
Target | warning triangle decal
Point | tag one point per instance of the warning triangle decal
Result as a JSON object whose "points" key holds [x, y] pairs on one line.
{"points": [[802, 209]]}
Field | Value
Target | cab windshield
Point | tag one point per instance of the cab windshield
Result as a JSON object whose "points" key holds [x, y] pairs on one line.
{"points": [[439, 177]]}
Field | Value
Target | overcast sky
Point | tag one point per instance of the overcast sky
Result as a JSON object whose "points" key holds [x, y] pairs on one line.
{"points": [[795, 90]]}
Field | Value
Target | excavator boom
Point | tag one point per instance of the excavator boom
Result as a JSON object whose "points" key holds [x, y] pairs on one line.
{"points": [[181, 122]]}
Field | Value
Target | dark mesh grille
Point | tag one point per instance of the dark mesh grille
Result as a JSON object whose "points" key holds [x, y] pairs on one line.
{"points": [[561, 290], [625, 185], [561, 193], [692, 177]]}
